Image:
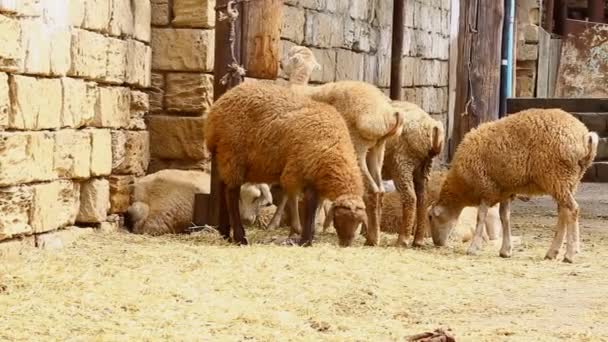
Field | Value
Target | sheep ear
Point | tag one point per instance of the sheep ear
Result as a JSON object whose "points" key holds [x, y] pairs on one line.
{"points": [[266, 193]]}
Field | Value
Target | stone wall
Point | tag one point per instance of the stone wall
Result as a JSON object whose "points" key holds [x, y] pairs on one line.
{"points": [[528, 17], [350, 38], [72, 75]]}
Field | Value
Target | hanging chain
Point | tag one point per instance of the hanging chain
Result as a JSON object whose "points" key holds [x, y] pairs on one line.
{"points": [[231, 12]]}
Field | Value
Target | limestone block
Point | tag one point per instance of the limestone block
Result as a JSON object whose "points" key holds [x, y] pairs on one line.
{"points": [[72, 155], [192, 93], [11, 52], [120, 193], [130, 152], [142, 20], [30, 110], [140, 106], [60, 59], [5, 100], [157, 92], [25, 157], [370, 71], [101, 152], [97, 15], [527, 52], [323, 30], [78, 102], [15, 205], [424, 44], [89, 54], [160, 12], [350, 65], [337, 6], [314, 4], [409, 42], [531, 33], [35, 39], [426, 72], [116, 69], [444, 74], [384, 70], [361, 38], [54, 205], [121, 18], [61, 238], [440, 48], [8, 6], [139, 64], [112, 107], [327, 60], [293, 24], [94, 201], [409, 94], [194, 13], [359, 9], [182, 49], [76, 13], [29, 8], [445, 23], [411, 68], [177, 137], [109, 227], [384, 12]]}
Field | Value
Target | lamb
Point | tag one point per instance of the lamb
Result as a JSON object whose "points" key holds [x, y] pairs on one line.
{"points": [[370, 119], [163, 202], [533, 152], [264, 133]]}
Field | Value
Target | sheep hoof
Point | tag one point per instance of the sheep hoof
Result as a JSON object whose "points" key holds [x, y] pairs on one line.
{"points": [[551, 255], [568, 260], [242, 242], [473, 251], [417, 244], [370, 243], [505, 254], [305, 243]]}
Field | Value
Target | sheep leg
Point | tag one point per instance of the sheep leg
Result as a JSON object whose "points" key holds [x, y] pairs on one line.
{"points": [[232, 199], [294, 214], [422, 225], [224, 216], [475, 246], [572, 240], [372, 204], [311, 200], [505, 220], [405, 186], [375, 159], [560, 232], [275, 222], [566, 222]]}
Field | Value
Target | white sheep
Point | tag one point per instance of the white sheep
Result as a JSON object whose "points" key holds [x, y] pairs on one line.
{"points": [[533, 152]]}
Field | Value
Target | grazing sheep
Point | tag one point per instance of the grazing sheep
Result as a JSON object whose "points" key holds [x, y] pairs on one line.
{"points": [[533, 152], [163, 202], [264, 133], [370, 118], [408, 161]]}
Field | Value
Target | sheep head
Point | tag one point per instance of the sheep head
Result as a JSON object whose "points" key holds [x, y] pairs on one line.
{"points": [[253, 198], [299, 64], [442, 220], [348, 212]]}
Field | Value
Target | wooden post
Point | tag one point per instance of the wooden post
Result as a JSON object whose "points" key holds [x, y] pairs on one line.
{"points": [[397, 49], [595, 10], [560, 12], [548, 22], [261, 35], [478, 73]]}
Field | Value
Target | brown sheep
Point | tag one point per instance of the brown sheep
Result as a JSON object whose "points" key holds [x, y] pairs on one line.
{"points": [[533, 152], [264, 133]]}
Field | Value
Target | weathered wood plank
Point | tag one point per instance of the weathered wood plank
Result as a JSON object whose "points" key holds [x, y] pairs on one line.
{"points": [[542, 79], [261, 36], [573, 105], [555, 52]]}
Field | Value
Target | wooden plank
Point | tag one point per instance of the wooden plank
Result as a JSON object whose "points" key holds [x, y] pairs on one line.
{"points": [[478, 75], [542, 78], [453, 61], [397, 50], [555, 52], [573, 105], [261, 37]]}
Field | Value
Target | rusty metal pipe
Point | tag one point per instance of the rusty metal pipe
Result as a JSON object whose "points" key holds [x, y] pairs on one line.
{"points": [[397, 49]]}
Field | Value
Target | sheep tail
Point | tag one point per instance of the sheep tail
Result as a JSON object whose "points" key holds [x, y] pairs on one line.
{"points": [[591, 142], [137, 212], [397, 128]]}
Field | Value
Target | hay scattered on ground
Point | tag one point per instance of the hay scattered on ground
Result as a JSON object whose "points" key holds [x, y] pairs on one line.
{"points": [[120, 286]]}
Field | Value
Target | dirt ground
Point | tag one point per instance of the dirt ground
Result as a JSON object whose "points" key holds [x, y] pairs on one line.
{"points": [[108, 287]]}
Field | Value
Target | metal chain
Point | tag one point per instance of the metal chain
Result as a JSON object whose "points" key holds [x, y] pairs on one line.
{"points": [[231, 12]]}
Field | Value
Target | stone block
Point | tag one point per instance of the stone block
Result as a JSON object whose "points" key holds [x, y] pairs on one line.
{"points": [[313, 4], [160, 12], [101, 152], [423, 16], [142, 20], [116, 69], [359, 10], [8, 6], [409, 42], [410, 95], [94, 201], [182, 49], [384, 12], [194, 13], [54, 205], [444, 74], [361, 38], [424, 44], [327, 60], [11, 52], [445, 23], [350, 65], [427, 72], [109, 227], [140, 106], [79, 100], [524, 86], [186, 92], [60, 58], [121, 18], [370, 71], [293, 24], [527, 52], [30, 110], [139, 63], [72, 154], [130, 152], [323, 30], [29, 8], [76, 12], [15, 203], [25, 157], [429, 99], [157, 92], [410, 67], [97, 15], [120, 193], [36, 43], [89, 54], [384, 70], [112, 107], [61, 238], [337, 6], [408, 19], [5, 101], [531, 33], [177, 137]]}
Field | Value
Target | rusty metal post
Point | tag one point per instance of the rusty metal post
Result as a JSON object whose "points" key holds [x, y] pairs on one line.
{"points": [[595, 10], [397, 49]]}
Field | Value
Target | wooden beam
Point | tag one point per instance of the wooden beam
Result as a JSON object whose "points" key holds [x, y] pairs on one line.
{"points": [[397, 49], [549, 9], [572, 105], [261, 35], [560, 13], [595, 10], [478, 73]]}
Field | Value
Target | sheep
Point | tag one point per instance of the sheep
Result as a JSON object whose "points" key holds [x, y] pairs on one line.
{"points": [[163, 202], [533, 152], [370, 119], [265, 133]]}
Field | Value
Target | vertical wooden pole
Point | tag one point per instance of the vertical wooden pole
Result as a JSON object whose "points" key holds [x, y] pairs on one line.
{"points": [[595, 8], [478, 73], [561, 14], [397, 49], [549, 9], [261, 36]]}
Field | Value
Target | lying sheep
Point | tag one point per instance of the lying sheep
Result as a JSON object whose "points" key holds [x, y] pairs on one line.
{"points": [[533, 152], [264, 133], [370, 118], [163, 202]]}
